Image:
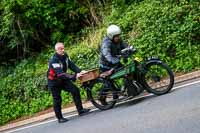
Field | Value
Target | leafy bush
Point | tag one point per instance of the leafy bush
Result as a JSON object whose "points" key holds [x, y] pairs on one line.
{"points": [[166, 29]]}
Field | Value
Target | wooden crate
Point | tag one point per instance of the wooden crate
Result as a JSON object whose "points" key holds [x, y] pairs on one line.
{"points": [[89, 75]]}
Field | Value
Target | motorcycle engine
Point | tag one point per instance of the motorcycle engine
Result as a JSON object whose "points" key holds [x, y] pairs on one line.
{"points": [[133, 88]]}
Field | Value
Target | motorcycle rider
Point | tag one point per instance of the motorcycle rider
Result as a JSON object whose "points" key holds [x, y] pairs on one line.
{"points": [[110, 49], [109, 55]]}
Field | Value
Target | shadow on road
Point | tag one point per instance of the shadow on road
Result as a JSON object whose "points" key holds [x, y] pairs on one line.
{"points": [[124, 103]]}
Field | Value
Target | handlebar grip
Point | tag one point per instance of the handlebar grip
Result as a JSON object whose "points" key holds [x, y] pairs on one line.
{"points": [[128, 49], [124, 50]]}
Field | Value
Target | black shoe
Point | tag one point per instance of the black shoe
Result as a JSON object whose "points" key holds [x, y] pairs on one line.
{"points": [[62, 120], [83, 111]]}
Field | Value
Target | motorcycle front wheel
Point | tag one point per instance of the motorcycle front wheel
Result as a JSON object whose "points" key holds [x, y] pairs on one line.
{"points": [[158, 78]]}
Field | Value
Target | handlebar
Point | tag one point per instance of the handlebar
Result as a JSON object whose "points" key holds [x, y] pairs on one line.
{"points": [[128, 50]]}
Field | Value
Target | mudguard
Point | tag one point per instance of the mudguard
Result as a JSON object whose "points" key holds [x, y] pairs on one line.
{"points": [[149, 61]]}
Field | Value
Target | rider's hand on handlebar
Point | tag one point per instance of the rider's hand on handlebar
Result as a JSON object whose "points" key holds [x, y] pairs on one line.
{"points": [[132, 49], [118, 56], [128, 51]]}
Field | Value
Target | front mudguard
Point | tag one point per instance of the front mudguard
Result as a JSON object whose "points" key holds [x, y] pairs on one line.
{"points": [[147, 62]]}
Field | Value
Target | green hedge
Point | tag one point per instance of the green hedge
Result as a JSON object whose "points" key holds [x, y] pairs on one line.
{"points": [[155, 26]]}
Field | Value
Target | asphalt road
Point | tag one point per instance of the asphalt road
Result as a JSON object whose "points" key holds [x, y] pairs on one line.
{"points": [[176, 112]]}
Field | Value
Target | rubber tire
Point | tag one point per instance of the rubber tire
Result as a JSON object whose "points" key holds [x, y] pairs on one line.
{"points": [[171, 77], [101, 107]]}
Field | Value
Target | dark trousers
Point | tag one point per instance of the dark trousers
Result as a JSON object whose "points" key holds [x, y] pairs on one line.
{"points": [[57, 100]]}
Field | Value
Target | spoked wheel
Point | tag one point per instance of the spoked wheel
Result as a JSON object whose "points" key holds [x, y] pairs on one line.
{"points": [[102, 95], [158, 78]]}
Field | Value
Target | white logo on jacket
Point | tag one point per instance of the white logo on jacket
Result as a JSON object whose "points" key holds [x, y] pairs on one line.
{"points": [[60, 65], [56, 65]]}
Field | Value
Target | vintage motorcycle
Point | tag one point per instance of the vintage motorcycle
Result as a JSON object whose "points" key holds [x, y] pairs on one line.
{"points": [[131, 79]]}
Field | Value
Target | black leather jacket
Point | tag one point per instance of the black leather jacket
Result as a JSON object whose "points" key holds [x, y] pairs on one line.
{"points": [[58, 66]]}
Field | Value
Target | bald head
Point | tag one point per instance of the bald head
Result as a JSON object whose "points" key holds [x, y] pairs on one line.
{"points": [[59, 47]]}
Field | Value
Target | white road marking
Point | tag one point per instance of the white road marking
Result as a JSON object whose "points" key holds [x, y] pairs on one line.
{"points": [[45, 122], [42, 123]]}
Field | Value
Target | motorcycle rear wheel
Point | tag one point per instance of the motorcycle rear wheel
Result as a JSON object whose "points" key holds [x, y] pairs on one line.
{"points": [[101, 95]]}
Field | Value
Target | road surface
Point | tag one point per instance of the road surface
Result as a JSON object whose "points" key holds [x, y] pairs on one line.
{"points": [[176, 112]]}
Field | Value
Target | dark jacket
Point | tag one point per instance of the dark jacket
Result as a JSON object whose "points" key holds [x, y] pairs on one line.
{"points": [[58, 66], [109, 52]]}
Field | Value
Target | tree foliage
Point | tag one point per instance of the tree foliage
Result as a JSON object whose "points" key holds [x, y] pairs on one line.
{"points": [[29, 26]]}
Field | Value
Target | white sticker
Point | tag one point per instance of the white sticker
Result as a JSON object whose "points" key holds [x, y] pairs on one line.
{"points": [[56, 65]]}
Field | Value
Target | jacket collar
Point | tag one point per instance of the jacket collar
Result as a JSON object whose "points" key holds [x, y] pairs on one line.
{"points": [[61, 57]]}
